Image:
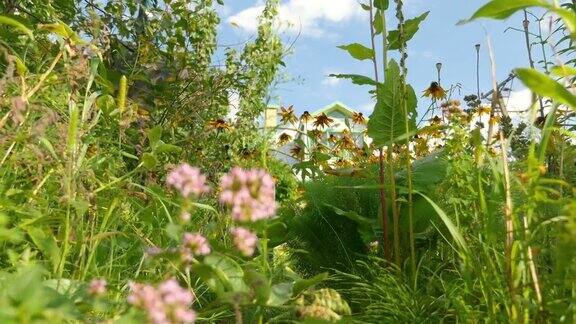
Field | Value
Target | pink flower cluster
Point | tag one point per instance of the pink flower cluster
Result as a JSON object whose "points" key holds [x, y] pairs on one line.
{"points": [[193, 244], [250, 194], [168, 303], [244, 240], [97, 287], [188, 180]]}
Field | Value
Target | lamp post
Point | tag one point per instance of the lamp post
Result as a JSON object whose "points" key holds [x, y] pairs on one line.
{"points": [[478, 70]]}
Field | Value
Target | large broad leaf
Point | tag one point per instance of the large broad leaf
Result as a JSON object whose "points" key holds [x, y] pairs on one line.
{"points": [[502, 9], [280, 293], [427, 172], [387, 122], [303, 284], [221, 274], [259, 284], [367, 227], [358, 51], [546, 86], [411, 26], [356, 79]]}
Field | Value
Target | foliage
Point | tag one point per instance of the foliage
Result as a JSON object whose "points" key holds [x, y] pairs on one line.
{"points": [[100, 221]]}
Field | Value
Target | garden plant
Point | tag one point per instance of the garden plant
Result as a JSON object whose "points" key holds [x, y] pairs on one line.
{"points": [[134, 188]]}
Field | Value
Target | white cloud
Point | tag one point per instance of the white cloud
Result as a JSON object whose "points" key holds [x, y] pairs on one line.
{"points": [[519, 100], [305, 16], [330, 81]]}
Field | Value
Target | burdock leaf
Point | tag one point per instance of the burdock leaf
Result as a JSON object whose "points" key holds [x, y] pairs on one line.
{"points": [[358, 51], [502, 9], [546, 86], [411, 26], [356, 79], [387, 123]]}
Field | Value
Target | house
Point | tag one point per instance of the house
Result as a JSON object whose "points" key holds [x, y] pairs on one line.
{"points": [[289, 135]]}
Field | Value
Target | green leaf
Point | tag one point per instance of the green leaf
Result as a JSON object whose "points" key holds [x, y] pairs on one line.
{"points": [[221, 274], [259, 284], [281, 293], [502, 9], [46, 244], [367, 227], [569, 18], [381, 4], [387, 122], [358, 51], [378, 23], [16, 24], [356, 79], [20, 66], [205, 207], [427, 172], [411, 26], [545, 86], [454, 231], [166, 148], [155, 135], [149, 160], [563, 71], [303, 284]]}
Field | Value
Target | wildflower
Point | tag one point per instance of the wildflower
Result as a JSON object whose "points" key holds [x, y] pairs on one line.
{"points": [[154, 251], [284, 139], [332, 138], [482, 110], [296, 151], [358, 118], [342, 163], [347, 142], [97, 287], [287, 115], [315, 134], [244, 240], [435, 120], [320, 148], [322, 121], [185, 216], [373, 159], [306, 117], [188, 180], [168, 303], [494, 120], [219, 124], [435, 91], [250, 193], [196, 243]]}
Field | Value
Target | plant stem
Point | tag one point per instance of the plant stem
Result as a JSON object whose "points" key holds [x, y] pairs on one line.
{"points": [[403, 104], [525, 24], [509, 218], [381, 178], [389, 161]]}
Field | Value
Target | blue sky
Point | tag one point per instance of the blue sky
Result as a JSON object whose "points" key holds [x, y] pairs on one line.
{"points": [[325, 24]]}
